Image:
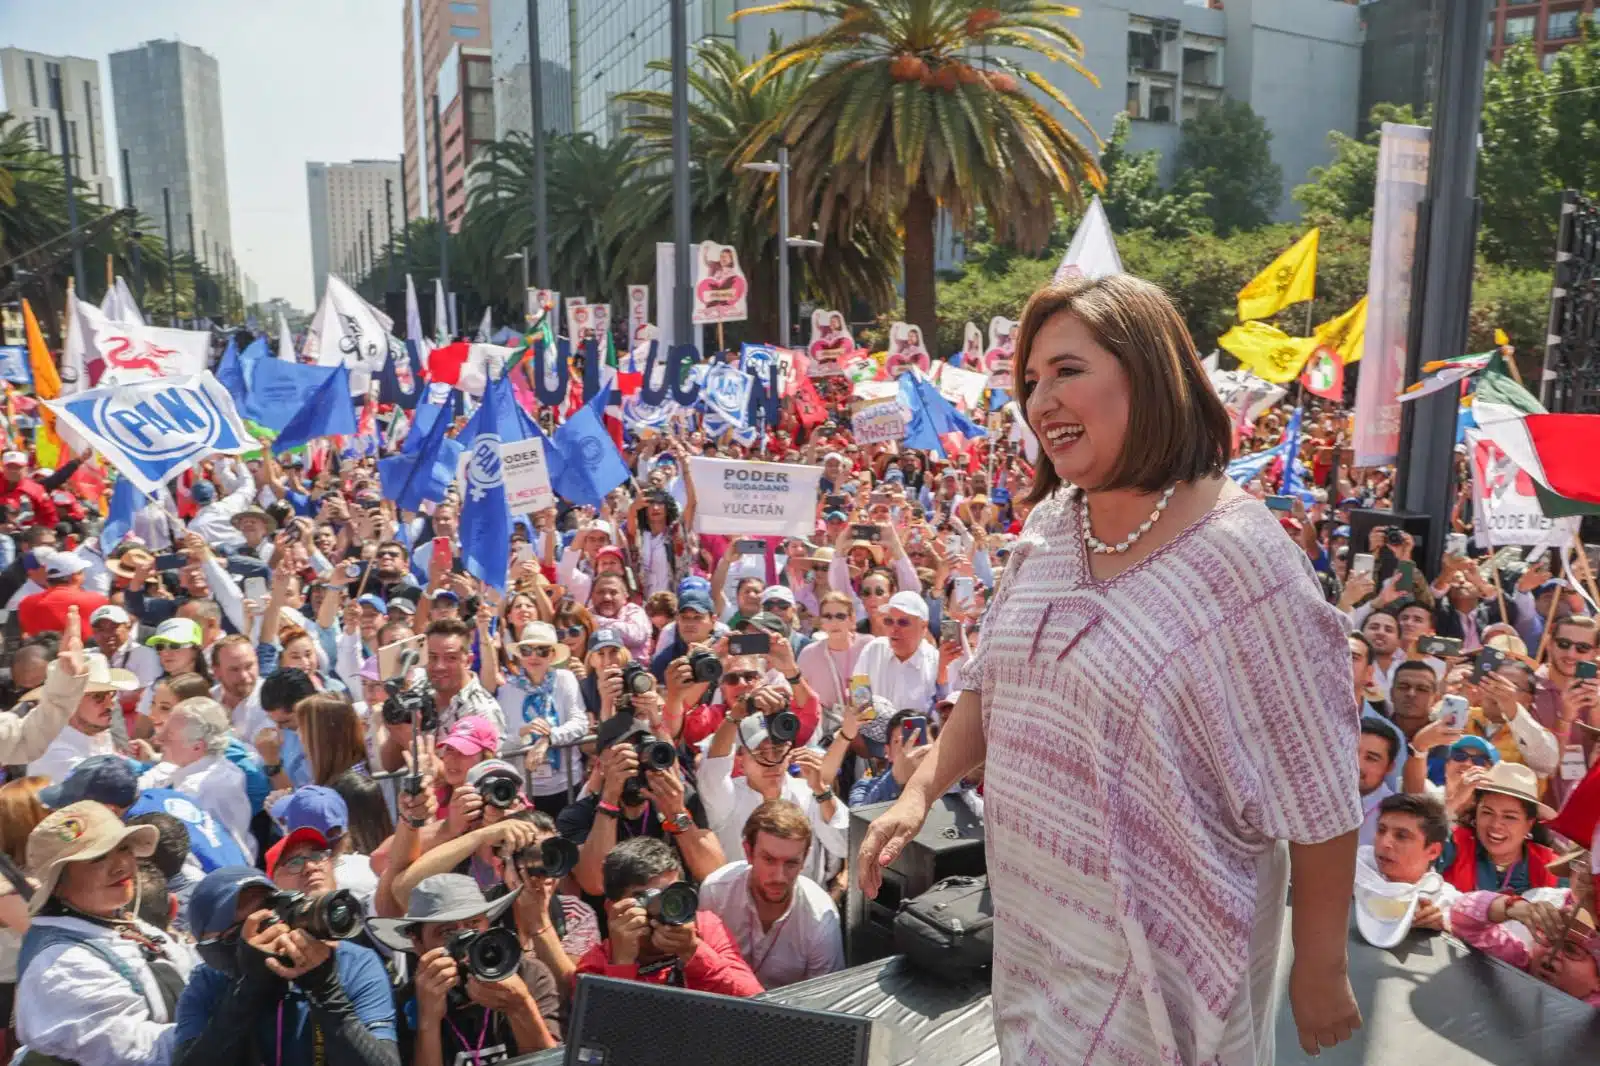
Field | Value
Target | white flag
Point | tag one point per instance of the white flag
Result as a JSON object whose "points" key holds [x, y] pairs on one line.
{"points": [[285, 340], [441, 316], [119, 305], [1093, 252], [414, 317], [349, 332], [136, 353], [485, 328]]}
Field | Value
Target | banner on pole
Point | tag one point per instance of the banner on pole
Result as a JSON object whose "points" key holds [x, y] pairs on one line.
{"points": [[638, 313], [771, 499], [152, 430], [1505, 506], [878, 422], [1401, 185]]}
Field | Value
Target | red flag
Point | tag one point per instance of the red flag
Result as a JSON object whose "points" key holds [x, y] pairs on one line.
{"points": [[808, 406]]}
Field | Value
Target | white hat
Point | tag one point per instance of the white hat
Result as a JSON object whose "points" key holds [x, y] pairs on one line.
{"points": [[910, 603], [777, 592], [65, 564], [13, 459], [113, 612], [1384, 908], [103, 677], [833, 457]]}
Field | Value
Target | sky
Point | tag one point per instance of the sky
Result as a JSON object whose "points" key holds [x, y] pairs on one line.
{"points": [[302, 81]]}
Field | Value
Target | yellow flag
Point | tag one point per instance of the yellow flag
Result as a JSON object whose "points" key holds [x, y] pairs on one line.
{"points": [[1345, 335], [1291, 278], [47, 447], [1268, 351]]}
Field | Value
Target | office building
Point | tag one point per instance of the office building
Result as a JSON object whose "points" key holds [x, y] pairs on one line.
{"points": [[1550, 24], [168, 101], [446, 55], [25, 80], [353, 206]]}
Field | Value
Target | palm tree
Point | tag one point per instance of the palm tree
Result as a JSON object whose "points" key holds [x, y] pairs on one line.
{"points": [[922, 104], [733, 119]]}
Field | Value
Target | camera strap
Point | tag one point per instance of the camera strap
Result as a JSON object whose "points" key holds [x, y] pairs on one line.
{"points": [[673, 965], [483, 1034]]}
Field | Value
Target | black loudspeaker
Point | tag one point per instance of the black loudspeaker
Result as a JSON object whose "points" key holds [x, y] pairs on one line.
{"points": [[1362, 520], [633, 1023], [951, 843]]}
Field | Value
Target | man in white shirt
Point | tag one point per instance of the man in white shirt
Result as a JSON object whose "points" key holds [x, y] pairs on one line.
{"points": [[785, 924], [193, 740], [902, 667], [214, 520], [88, 731], [238, 687], [729, 800]]}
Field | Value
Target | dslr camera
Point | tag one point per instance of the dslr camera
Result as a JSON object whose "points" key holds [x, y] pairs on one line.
{"points": [[331, 916], [654, 754], [492, 955], [674, 905], [551, 857], [704, 667], [408, 705], [782, 725], [499, 789], [636, 681]]}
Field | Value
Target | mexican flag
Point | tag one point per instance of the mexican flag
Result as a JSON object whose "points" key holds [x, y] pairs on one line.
{"points": [[1557, 451]]}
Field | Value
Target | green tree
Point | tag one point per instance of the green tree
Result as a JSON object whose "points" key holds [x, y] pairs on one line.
{"points": [[1227, 151], [733, 119], [922, 104], [1134, 198], [1520, 200], [1343, 190]]}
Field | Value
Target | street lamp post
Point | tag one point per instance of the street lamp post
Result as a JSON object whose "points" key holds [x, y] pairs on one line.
{"points": [[541, 213], [785, 242], [682, 293]]}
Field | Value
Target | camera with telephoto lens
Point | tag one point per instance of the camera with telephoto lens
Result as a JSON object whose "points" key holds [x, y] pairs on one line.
{"points": [[492, 955], [704, 667], [331, 916], [674, 905], [499, 789], [551, 857], [408, 705]]}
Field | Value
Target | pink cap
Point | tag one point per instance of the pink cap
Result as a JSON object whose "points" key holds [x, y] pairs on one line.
{"points": [[611, 550], [369, 669], [473, 735]]}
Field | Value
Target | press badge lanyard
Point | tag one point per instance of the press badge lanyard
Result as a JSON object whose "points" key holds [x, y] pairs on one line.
{"points": [[483, 1035]]}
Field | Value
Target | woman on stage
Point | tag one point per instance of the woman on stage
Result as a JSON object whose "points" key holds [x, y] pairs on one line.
{"points": [[1162, 704]]}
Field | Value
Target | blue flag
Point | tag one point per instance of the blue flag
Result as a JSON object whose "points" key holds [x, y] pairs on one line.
{"points": [[485, 516], [230, 371], [590, 465], [400, 381], [510, 420], [278, 391], [1291, 441], [1246, 467], [325, 413], [422, 424], [423, 473], [932, 416], [126, 499]]}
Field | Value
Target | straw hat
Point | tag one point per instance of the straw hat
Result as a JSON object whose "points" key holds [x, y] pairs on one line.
{"points": [[79, 832], [103, 677], [1514, 779], [543, 635], [125, 564]]}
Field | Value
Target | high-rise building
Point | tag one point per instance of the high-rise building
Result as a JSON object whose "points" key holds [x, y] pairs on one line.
{"points": [[446, 56], [345, 198], [1550, 24], [168, 99], [25, 91]]}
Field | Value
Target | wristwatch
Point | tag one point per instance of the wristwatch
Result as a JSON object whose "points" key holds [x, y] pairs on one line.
{"points": [[824, 796], [678, 823], [272, 769]]}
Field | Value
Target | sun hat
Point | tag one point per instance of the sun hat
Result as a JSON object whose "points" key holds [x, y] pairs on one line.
{"points": [[1517, 781], [125, 564], [436, 900], [543, 635], [875, 549], [472, 735], [103, 677], [254, 512], [79, 832], [176, 633]]}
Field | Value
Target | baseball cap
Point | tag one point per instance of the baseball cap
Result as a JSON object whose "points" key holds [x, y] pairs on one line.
{"points": [[834, 457], [305, 835], [215, 901], [472, 735], [65, 564], [695, 601], [108, 779], [315, 807], [13, 459], [176, 633], [1342, 531], [777, 593], [202, 492], [604, 638], [402, 604], [694, 584], [910, 603], [894, 473], [444, 594], [836, 516], [110, 612], [1479, 745], [374, 601]]}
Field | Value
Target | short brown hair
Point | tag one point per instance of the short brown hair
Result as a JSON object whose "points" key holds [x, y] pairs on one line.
{"points": [[232, 640], [780, 818], [1581, 621], [1177, 428], [331, 734], [187, 686], [449, 627], [20, 811]]}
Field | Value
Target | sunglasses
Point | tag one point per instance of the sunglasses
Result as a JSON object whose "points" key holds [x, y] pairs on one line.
{"points": [[543, 651], [570, 633], [900, 623], [827, 617], [873, 592], [1582, 647], [742, 677], [1476, 758], [775, 605]]}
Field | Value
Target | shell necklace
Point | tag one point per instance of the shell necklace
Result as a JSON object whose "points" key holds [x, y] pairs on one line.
{"points": [[1100, 547]]}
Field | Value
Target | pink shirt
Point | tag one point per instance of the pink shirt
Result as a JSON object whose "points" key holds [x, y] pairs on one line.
{"points": [[1152, 743]]}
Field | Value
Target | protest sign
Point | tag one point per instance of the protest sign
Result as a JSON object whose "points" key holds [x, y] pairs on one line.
{"points": [[960, 386], [830, 339], [773, 499], [1002, 345], [638, 313], [906, 350], [152, 430], [1505, 507], [972, 347], [876, 422], [719, 285], [527, 476]]}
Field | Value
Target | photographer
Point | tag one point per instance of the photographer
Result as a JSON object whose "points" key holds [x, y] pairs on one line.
{"points": [[270, 993], [477, 997], [656, 932]]}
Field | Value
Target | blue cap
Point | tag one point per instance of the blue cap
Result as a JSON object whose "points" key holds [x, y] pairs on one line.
{"points": [[444, 594], [894, 473], [1477, 744], [604, 638], [835, 516], [375, 602], [695, 600], [691, 585], [1342, 531], [312, 807], [213, 906], [108, 779], [202, 492]]}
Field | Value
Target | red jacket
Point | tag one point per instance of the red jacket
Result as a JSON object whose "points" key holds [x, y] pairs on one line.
{"points": [[1463, 872], [46, 612], [36, 498], [716, 966]]}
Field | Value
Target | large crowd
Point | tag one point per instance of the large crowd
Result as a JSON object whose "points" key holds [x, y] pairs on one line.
{"points": [[287, 784]]}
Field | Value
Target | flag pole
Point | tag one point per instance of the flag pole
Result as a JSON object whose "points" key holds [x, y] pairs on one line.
{"points": [[1499, 593], [1549, 620]]}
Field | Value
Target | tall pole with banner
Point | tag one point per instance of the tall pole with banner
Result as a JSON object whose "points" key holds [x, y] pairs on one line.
{"points": [[682, 293], [541, 211]]}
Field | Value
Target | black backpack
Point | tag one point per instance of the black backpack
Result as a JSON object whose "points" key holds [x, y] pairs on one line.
{"points": [[949, 929]]}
